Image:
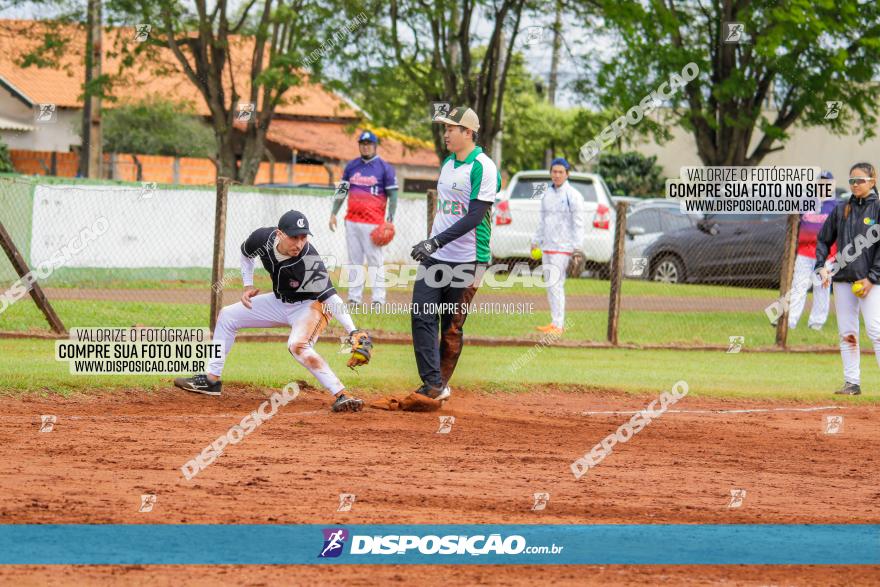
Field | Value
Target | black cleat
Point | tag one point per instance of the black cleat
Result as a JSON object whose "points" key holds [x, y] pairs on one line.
{"points": [[849, 389], [437, 393], [199, 384], [345, 403]]}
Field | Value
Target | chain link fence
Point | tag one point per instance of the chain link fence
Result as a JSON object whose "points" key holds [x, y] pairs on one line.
{"points": [[123, 254], [714, 280]]}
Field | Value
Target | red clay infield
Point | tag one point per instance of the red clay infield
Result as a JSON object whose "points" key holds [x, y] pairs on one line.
{"points": [[108, 449]]}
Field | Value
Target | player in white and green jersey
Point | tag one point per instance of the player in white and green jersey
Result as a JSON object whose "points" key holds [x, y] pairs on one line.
{"points": [[459, 245]]}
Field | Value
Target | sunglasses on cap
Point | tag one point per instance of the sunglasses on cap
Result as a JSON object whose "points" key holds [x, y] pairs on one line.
{"points": [[859, 180]]}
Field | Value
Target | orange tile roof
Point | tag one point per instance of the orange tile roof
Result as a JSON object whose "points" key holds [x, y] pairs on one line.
{"points": [[62, 85], [333, 141]]}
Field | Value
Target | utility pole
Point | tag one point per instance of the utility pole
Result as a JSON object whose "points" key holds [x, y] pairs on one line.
{"points": [[92, 153], [496, 145], [554, 60], [554, 72]]}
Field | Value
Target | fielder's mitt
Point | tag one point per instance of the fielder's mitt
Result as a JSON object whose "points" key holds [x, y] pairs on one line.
{"points": [[382, 234], [361, 348]]}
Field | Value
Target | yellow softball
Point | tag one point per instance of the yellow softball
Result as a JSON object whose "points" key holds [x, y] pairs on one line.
{"points": [[857, 289], [536, 254]]}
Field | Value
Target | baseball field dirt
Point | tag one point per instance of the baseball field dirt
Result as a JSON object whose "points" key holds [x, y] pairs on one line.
{"points": [[106, 450]]}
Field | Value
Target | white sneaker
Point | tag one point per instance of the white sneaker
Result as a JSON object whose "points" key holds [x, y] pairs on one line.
{"points": [[444, 394]]}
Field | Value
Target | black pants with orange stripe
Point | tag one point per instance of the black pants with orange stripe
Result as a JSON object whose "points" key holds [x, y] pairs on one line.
{"points": [[440, 299]]}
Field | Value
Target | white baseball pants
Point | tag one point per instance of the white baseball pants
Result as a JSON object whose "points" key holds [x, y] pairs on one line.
{"points": [[306, 320], [361, 249], [848, 306], [800, 284], [556, 284]]}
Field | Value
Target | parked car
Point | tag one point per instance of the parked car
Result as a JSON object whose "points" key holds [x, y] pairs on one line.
{"points": [[517, 211], [631, 200], [645, 223], [721, 248]]}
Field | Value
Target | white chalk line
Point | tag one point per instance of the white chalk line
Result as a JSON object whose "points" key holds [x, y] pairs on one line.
{"points": [[750, 411]]}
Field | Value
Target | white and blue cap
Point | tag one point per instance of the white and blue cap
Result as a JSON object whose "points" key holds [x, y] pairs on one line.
{"points": [[368, 137]]}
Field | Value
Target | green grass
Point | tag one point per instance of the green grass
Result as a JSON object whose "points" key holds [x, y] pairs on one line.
{"points": [[24, 315], [29, 366], [200, 278], [144, 278], [638, 287], [636, 327]]}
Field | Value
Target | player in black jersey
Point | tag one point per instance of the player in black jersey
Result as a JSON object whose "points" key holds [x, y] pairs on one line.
{"points": [[302, 297]]}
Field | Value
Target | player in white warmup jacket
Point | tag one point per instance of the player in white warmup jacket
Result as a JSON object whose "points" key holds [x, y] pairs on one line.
{"points": [[560, 233]]}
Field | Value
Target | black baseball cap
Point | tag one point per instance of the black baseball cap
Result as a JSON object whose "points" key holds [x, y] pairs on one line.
{"points": [[294, 223]]}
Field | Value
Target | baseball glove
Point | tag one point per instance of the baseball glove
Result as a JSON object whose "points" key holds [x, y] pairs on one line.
{"points": [[382, 234], [361, 348]]}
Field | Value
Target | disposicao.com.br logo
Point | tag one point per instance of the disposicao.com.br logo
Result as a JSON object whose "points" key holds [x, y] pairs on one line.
{"points": [[476, 545]]}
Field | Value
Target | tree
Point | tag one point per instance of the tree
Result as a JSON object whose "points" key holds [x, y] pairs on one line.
{"points": [[245, 53], [229, 67], [533, 126], [156, 126], [631, 174], [386, 95], [435, 43], [5, 159], [797, 56]]}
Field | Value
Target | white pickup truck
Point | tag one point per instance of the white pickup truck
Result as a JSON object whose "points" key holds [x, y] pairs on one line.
{"points": [[517, 210]]}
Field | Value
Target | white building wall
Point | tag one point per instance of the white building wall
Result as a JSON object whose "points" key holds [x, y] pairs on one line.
{"points": [[813, 146], [57, 136]]}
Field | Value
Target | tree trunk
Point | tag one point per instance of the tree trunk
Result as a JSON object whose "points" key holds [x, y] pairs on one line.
{"points": [[226, 161], [91, 154], [252, 156], [96, 139]]}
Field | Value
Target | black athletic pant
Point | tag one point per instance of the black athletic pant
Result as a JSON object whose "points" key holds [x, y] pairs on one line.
{"points": [[436, 359]]}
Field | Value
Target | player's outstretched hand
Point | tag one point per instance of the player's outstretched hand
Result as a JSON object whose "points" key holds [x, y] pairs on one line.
{"points": [[332, 223], [249, 292]]}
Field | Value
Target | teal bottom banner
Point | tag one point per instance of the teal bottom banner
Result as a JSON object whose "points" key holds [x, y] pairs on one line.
{"points": [[490, 544]]}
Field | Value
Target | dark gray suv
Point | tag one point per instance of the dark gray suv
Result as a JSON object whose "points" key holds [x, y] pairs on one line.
{"points": [[744, 249]]}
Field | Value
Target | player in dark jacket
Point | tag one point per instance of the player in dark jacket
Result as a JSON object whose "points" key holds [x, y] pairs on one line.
{"points": [[853, 226]]}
